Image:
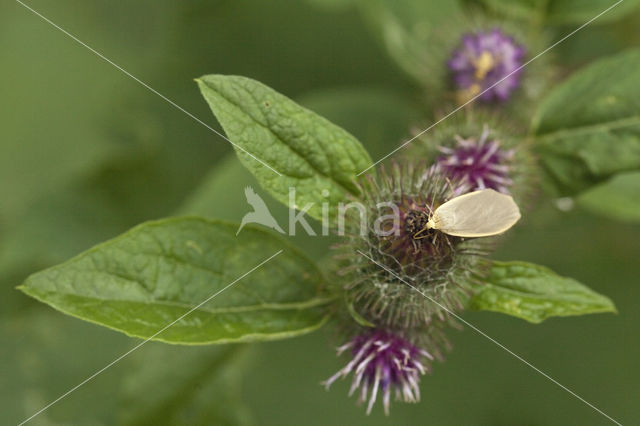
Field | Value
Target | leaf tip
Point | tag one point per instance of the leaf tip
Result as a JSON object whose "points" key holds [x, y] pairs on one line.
{"points": [[25, 290]]}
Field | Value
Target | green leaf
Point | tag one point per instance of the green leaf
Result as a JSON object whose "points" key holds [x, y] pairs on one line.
{"points": [[44, 354], [520, 9], [559, 12], [535, 293], [180, 382], [150, 276], [204, 386], [588, 128], [416, 15], [580, 11], [311, 154], [407, 29], [332, 5], [381, 119], [618, 198]]}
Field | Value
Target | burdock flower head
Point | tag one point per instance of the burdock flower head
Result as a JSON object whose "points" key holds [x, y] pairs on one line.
{"points": [[479, 149], [396, 247], [487, 63], [477, 162], [383, 363]]}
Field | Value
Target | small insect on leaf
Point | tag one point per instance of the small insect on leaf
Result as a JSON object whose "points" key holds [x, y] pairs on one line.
{"points": [[476, 214]]}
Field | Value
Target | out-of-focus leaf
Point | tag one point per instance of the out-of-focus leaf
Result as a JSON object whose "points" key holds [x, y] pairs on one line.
{"points": [[114, 197], [407, 29], [380, 119], [152, 275], [176, 385], [563, 11], [535, 293], [618, 198], [221, 193], [317, 158], [332, 5], [598, 42], [44, 354], [522, 9], [416, 15], [50, 353], [48, 135], [588, 128], [580, 11]]}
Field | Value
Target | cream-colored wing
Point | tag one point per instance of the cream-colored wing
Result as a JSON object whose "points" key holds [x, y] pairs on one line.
{"points": [[476, 214]]}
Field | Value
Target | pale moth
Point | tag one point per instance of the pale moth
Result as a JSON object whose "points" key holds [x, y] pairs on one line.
{"points": [[477, 214]]}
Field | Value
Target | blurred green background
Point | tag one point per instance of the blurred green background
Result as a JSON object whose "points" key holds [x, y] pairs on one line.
{"points": [[86, 152]]}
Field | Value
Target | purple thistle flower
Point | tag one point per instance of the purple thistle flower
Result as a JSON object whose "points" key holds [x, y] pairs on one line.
{"points": [[477, 164], [382, 361], [484, 59]]}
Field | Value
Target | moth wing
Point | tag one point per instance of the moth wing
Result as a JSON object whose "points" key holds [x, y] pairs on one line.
{"points": [[477, 214]]}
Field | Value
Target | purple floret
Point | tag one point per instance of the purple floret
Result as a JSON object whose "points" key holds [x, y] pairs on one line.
{"points": [[383, 362], [487, 63], [477, 163]]}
